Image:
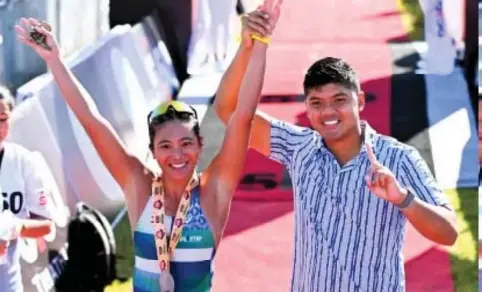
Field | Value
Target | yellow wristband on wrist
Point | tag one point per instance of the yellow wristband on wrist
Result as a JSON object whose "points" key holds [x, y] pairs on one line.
{"points": [[265, 40]]}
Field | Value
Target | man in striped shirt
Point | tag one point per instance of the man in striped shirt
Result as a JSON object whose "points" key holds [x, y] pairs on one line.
{"points": [[354, 189]]}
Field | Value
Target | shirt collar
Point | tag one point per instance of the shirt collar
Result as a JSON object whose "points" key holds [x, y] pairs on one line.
{"points": [[368, 136]]}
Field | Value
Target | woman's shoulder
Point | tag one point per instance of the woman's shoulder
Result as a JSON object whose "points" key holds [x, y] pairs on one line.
{"points": [[139, 187]]}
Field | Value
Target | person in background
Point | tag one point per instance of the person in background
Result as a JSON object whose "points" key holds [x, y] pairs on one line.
{"points": [[213, 39], [23, 195], [172, 19], [443, 36]]}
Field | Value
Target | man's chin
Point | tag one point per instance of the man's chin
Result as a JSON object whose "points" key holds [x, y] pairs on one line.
{"points": [[331, 137]]}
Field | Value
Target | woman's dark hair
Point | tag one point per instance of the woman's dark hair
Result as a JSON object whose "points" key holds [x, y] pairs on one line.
{"points": [[172, 115]]}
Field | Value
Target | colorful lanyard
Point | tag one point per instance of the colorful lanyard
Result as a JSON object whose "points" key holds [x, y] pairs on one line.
{"points": [[165, 250]]}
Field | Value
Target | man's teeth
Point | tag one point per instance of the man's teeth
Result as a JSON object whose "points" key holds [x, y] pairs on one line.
{"points": [[331, 123], [180, 165]]}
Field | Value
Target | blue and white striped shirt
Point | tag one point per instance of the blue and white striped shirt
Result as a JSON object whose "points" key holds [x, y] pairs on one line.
{"points": [[346, 238]]}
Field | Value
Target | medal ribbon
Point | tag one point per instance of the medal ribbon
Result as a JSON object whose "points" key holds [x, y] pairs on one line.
{"points": [[165, 249]]}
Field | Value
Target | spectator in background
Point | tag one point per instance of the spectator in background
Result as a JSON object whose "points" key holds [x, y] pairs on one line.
{"points": [[24, 195], [442, 23], [213, 37], [173, 20]]}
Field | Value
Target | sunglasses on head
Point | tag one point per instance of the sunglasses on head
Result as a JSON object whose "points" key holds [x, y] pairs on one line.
{"points": [[177, 106]]}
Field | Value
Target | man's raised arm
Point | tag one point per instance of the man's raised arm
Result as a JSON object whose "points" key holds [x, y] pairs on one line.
{"points": [[261, 23]]}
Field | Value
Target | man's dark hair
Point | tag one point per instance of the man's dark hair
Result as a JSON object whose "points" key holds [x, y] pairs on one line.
{"points": [[172, 115], [7, 96], [330, 70]]}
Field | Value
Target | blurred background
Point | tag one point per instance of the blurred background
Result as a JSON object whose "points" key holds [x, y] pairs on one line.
{"points": [[417, 61]]}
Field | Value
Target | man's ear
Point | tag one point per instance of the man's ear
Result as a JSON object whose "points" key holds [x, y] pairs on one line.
{"points": [[361, 101]]}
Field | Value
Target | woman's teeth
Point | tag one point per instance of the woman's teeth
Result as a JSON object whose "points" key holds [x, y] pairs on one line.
{"points": [[179, 165], [331, 123]]}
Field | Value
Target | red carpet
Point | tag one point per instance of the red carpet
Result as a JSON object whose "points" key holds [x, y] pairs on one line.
{"points": [[256, 252]]}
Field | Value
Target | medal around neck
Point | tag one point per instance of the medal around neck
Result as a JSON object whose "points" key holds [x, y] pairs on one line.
{"points": [[165, 249], [167, 282]]}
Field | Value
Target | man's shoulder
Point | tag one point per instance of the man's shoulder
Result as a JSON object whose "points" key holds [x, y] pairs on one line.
{"points": [[392, 144], [296, 131]]}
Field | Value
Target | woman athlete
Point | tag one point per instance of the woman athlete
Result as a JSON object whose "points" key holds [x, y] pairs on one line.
{"points": [[177, 218]]}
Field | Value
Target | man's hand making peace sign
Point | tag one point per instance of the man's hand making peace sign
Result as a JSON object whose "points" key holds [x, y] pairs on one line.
{"points": [[382, 182], [437, 223]]}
